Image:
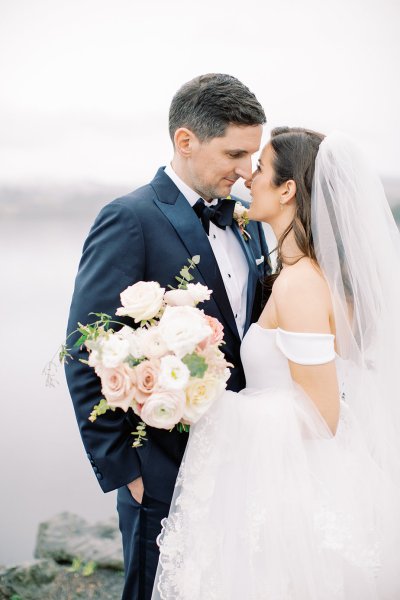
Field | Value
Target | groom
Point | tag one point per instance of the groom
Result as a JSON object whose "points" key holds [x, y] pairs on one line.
{"points": [[215, 124]]}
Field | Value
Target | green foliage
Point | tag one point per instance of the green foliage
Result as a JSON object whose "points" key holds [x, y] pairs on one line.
{"points": [[100, 409], [76, 565], [140, 434], [89, 568], [63, 354], [134, 362], [84, 569], [182, 427], [185, 275], [196, 364], [16, 597]]}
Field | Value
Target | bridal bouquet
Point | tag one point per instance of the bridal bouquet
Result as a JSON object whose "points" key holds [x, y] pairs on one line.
{"points": [[169, 369]]}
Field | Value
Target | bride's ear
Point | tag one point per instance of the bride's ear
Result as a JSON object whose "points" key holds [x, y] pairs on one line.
{"points": [[288, 191]]}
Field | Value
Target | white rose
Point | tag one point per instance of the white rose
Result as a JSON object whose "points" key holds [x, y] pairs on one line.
{"points": [[195, 293], [163, 409], [141, 301], [183, 327], [114, 350], [199, 292], [174, 374], [178, 298], [200, 394]]}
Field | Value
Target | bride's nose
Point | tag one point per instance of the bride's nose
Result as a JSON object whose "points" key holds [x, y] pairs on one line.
{"points": [[248, 182]]}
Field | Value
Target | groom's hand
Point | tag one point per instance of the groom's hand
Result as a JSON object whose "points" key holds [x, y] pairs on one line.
{"points": [[136, 489]]}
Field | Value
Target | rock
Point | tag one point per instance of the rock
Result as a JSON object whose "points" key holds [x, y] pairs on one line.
{"points": [[67, 536], [35, 576], [46, 580]]}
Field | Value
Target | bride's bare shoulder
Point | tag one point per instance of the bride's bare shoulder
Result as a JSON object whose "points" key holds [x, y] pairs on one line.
{"points": [[302, 298]]}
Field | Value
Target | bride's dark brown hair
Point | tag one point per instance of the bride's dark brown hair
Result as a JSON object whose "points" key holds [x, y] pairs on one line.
{"points": [[294, 153]]}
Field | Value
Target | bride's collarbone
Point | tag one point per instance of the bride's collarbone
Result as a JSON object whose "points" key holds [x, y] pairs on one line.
{"points": [[299, 289]]}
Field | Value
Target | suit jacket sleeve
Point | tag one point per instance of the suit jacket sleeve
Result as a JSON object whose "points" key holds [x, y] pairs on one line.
{"points": [[113, 258]]}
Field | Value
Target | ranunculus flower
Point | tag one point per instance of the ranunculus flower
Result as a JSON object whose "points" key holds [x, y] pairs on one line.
{"points": [[200, 394], [114, 350], [118, 386], [141, 301], [152, 343], [174, 374], [146, 379], [163, 409], [183, 328]]}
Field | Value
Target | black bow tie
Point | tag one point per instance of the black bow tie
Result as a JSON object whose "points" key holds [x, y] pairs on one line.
{"points": [[221, 214]]}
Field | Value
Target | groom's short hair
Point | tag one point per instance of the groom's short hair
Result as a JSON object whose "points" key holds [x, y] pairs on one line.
{"points": [[209, 103]]}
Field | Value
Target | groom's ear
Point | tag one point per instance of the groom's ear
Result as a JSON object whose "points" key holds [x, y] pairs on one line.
{"points": [[184, 141], [288, 191]]}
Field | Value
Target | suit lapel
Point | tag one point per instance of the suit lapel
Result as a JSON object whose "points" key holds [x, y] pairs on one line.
{"points": [[182, 217]]}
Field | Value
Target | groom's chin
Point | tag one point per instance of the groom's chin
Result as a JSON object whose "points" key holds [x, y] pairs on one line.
{"points": [[224, 189]]}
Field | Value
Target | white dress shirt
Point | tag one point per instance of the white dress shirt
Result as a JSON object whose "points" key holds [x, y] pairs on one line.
{"points": [[228, 253]]}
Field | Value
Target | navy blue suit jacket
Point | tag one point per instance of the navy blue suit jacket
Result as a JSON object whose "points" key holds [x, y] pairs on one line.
{"points": [[148, 235]]}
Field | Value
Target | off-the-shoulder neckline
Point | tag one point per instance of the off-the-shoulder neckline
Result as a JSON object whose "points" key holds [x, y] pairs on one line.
{"points": [[292, 332]]}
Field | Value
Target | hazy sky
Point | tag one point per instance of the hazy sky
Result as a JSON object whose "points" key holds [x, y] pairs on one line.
{"points": [[86, 84]]}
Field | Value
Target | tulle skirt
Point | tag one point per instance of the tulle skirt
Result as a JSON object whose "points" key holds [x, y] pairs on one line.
{"points": [[269, 505]]}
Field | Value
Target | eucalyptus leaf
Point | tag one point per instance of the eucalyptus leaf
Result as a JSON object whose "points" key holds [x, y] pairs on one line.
{"points": [[80, 341], [196, 364]]}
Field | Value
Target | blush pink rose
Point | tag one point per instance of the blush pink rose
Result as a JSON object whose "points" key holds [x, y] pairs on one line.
{"points": [[146, 379], [118, 386], [217, 334]]}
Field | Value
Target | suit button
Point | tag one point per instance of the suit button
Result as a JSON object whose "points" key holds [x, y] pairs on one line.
{"points": [[99, 476], [89, 455], [95, 469]]}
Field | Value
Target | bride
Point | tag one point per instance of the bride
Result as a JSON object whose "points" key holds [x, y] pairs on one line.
{"points": [[290, 489]]}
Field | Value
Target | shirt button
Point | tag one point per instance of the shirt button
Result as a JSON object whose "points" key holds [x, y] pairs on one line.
{"points": [[214, 236], [229, 275], [236, 316]]}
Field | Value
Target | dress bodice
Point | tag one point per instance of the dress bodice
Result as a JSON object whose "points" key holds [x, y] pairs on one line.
{"points": [[265, 354]]}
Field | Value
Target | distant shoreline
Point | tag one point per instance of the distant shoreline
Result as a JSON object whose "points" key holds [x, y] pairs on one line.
{"points": [[85, 200]]}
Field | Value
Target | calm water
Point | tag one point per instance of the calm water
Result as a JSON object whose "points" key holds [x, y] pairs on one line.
{"points": [[43, 467]]}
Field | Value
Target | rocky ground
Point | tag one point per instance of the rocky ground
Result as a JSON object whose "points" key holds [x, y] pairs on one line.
{"points": [[73, 560]]}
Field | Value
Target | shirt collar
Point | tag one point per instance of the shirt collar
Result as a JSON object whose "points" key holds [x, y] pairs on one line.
{"points": [[190, 195]]}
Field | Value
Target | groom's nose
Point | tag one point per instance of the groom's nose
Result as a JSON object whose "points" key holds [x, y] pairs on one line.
{"points": [[243, 169]]}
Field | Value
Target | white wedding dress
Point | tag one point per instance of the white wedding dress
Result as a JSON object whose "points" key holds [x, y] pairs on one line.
{"points": [[268, 504]]}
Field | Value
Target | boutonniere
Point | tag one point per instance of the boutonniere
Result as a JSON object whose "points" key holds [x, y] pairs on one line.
{"points": [[240, 214]]}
